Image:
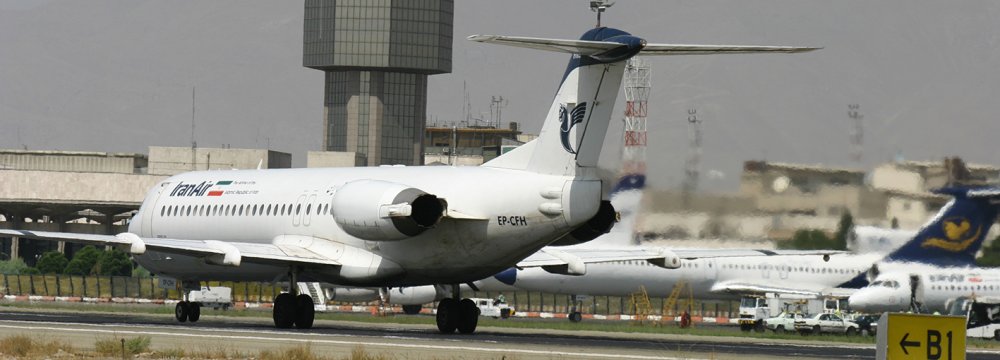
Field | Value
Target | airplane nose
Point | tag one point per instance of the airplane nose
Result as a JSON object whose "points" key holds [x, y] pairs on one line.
{"points": [[859, 301]]}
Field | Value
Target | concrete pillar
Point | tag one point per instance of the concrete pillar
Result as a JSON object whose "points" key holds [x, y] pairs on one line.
{"points": [[14, 247], [61, 246]]}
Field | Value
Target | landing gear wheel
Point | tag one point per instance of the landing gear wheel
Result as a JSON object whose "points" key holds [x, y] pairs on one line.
{"points": [[412, 309], [575, 317], [284, 311], [305, 311], [469, 317], [194, 311], [447, 315], [181, 311]]}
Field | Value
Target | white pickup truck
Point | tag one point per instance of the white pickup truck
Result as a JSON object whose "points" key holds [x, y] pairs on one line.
{"points": [[826, 323]]}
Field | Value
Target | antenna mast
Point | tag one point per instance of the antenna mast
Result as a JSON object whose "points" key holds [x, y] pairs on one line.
{"points": [[857, 132], [194, 144], [599, 6], [692, 167]]}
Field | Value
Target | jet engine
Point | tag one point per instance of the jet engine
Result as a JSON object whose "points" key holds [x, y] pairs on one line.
{"points": [[600, 224], [413, 295], [380, 210]]}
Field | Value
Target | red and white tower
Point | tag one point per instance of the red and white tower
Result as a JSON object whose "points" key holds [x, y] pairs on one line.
{"points": [[637, 87]]}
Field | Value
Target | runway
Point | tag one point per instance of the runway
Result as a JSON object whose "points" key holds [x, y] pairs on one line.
{"points": [[251, 335]]}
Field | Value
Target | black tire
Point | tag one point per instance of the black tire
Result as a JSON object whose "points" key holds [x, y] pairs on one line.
{"points": [[305, 311], [181, 311], [469, 318], [996, 335], [194, 311], [284, 311], [447, 315], [745, 327], [759, 326], [412, 309], [816, 329], [780, 329], [576, 317], [851, 331]]}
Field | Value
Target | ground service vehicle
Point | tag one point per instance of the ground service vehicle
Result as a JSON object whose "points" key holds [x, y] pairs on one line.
{"points": [[783, 322]]}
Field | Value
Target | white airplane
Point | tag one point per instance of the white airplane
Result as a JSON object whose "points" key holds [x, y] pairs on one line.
{"points": [[403, 226], [926, 290], [929, 288], [729, 277]]}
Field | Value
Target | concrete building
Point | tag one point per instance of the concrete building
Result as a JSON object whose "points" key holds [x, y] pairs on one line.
{"points": [[376, 56], [175, 160], [93, 192], [466, 146]]}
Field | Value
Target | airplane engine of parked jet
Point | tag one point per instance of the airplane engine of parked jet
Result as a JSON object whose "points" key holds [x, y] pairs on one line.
{"points": [[382, 210]]}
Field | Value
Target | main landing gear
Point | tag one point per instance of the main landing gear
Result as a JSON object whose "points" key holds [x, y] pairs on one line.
{"points": [[186, 310], [292, 308], [458, 315]]}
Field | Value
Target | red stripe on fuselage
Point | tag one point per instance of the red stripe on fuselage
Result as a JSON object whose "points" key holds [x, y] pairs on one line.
{"points": [[215, 193]]}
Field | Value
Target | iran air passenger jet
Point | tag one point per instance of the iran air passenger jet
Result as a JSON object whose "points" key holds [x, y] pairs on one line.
{"points": [[951, 238], [402, 226]]}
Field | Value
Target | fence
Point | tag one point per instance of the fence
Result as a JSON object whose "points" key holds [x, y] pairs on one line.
{"points": [[94, 286]]}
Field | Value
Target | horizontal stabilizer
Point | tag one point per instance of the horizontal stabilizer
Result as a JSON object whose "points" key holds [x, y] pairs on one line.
{"points": [[592, 48]]}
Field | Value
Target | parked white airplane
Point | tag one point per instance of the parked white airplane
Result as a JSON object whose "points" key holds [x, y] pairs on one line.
{"points": [[926, 290], [952, 238], [929, 288], [403, 226]]}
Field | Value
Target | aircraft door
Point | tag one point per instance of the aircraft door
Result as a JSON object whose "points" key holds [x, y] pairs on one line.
{"points": [[297, 210], [149, 209], [783, 271], [307, 217], [765, 271]]}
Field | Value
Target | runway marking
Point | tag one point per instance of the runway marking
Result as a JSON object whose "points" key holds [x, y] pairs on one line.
{"points": [[336, 342]]}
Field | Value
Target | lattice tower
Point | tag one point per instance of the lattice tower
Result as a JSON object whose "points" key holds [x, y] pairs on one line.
{"points": [[637, 88]]}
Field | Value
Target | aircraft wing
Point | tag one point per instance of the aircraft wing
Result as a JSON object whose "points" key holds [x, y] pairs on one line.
{"points": [[214, 251], [573, 261], [754, 288], [690, 254]]}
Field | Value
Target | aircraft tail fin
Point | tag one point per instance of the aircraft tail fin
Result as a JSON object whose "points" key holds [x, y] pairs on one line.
{"points": [[572, 134], [956, 233]]}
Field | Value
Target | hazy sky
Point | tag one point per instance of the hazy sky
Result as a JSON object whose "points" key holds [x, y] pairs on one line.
{"points": [[117, 76]]}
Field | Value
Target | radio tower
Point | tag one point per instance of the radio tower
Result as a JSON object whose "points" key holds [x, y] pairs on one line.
{"points": [[692, 167], [857, 132], [637, 87], [627, 193]]}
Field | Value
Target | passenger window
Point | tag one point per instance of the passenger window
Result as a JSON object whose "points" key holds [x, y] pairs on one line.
{"points": [[308, 208], [241, 210], [298, 209]]}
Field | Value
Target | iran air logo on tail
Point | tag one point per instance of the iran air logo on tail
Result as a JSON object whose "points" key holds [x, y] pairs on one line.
{"points": [[958, 233], [567, 120]]}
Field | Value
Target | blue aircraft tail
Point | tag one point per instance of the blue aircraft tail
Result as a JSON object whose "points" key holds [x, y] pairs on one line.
{"points": [[956, 233]]}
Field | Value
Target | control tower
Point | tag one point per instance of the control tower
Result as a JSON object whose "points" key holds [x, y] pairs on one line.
{"points": [[376, 56]]}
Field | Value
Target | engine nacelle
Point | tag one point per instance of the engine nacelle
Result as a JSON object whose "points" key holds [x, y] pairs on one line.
{"points": [[600, 224], [413, 295], [380, 210]]}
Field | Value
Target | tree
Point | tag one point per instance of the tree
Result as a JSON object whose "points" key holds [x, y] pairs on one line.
{"points": [[114, 262], [52, 262], [808, 239], [84, 261], [15, 266], [843, 231]]}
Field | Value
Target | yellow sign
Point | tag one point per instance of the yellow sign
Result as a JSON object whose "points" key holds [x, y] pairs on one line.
{"points": [[919, 336]]}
